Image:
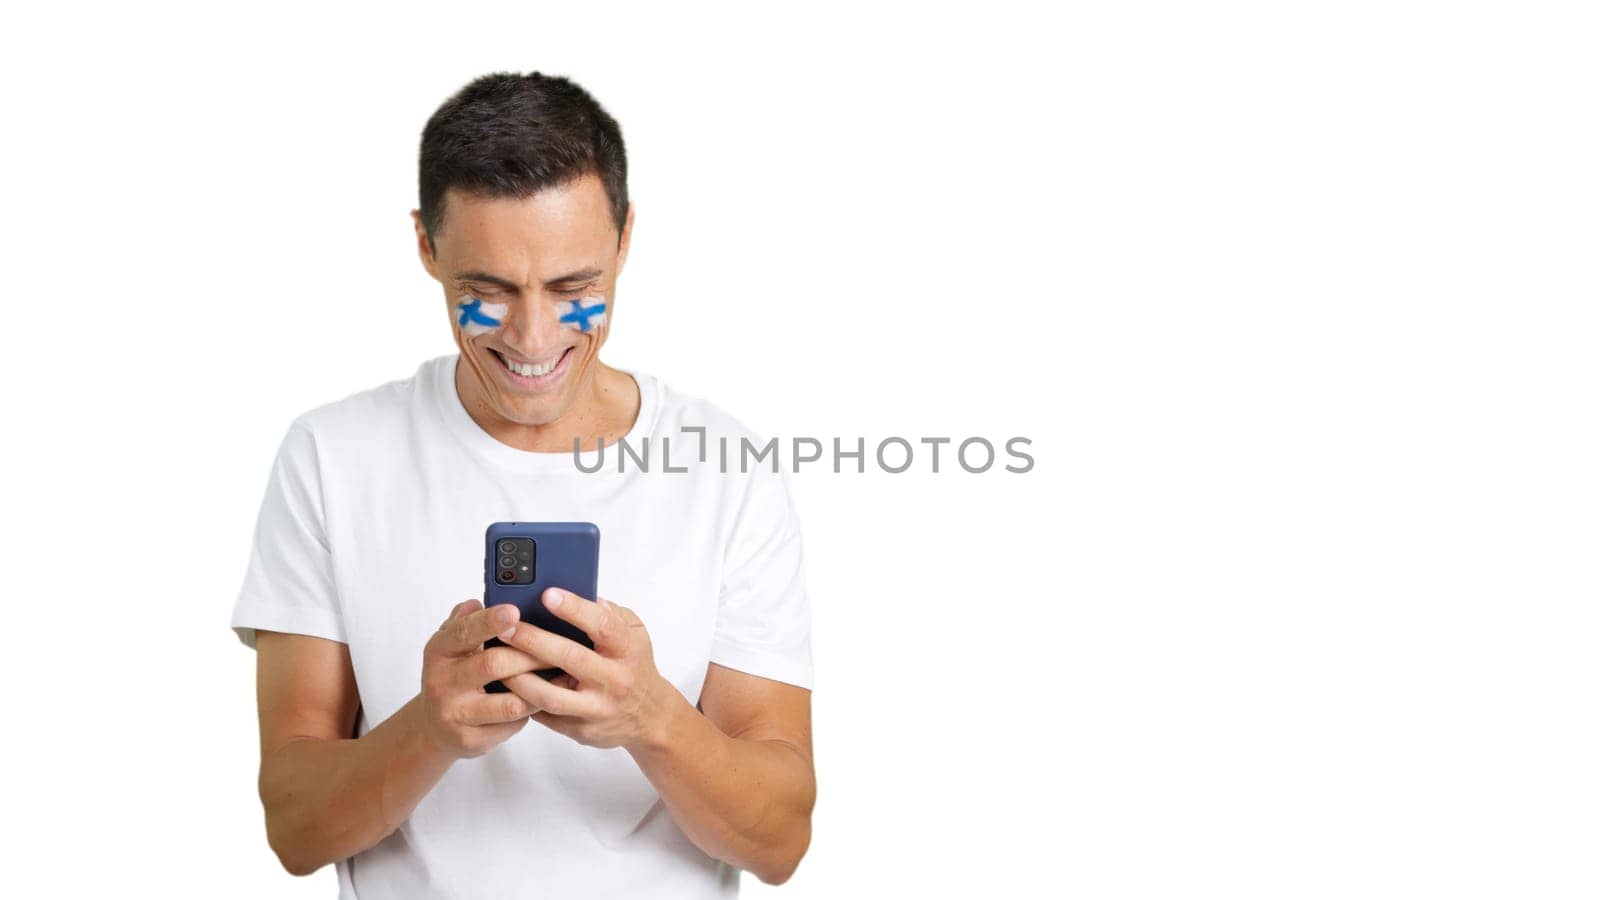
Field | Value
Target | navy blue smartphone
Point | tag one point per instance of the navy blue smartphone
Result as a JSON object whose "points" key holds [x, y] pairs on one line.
{"points": [[522, 559]]}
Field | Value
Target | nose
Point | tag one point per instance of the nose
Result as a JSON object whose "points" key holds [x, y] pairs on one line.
{"points": [[534, 326]]}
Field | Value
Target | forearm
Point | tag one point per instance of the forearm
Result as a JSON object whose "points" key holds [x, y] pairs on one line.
{"points": [[327, 800], [744, 801]]}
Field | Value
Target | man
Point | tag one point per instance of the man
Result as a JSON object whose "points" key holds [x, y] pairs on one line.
{"points": [[672, 755]]}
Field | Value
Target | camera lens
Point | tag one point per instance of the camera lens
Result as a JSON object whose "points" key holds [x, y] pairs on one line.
{"points": [[507, 575], [507, 546], [507, 562]]}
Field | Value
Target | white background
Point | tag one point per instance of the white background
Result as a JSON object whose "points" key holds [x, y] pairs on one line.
{"points": [[1295, 302]]}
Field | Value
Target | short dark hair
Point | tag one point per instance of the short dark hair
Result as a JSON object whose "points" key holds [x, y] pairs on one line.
{"points": [[510, 135]]}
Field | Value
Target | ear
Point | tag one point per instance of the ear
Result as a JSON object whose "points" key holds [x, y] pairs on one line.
{"points": [[627, 234], [424, 247]]}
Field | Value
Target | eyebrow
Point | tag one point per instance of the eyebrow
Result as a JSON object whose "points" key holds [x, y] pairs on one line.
{"points": [[580, 275]]}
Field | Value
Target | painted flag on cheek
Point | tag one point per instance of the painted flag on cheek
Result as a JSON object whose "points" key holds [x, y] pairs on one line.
{"points": [[476, 317], [584, 313]]}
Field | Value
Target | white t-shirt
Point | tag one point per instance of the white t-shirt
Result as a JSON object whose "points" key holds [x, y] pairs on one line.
{"points": [[372, 528]]}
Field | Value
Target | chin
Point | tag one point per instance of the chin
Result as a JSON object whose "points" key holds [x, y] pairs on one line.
{"points": [[524, 411]]}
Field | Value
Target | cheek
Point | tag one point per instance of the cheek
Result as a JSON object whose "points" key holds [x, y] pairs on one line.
{"points": [[584, 314], [475, 317]]}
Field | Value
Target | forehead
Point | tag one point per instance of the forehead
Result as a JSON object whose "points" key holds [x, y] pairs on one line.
{"points": [[560, 228]]}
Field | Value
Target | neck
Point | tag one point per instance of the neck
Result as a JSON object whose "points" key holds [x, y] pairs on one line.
{"points": [[605, 407]]}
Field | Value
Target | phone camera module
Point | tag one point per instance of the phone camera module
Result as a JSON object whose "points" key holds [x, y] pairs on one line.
{"points": [[516, 560]]}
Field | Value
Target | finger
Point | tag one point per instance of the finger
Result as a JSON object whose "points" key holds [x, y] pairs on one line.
{"points": [[499, 734], [461, 608], [493, 664], [466, 633], [553, 699], [626, 618], [534, 641], [495, 709], [560, 651], [566, 725], [624, 614], [600, 622]]}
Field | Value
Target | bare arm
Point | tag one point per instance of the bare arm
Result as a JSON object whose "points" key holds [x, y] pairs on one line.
{"points": [[738, 778], [328, 795]]}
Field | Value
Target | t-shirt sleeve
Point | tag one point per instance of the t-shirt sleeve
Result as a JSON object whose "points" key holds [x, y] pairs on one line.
{"points": [[289, 584], [764, 617]]}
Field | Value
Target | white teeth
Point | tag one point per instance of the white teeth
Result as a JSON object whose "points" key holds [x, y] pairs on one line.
{"points": [[528, 370]]}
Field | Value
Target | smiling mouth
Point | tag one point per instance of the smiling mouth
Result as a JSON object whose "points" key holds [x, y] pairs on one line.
{"points": [[532, 373]]}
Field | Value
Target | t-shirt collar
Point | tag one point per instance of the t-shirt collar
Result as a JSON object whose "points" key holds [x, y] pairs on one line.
{"points": [[481, 443]]}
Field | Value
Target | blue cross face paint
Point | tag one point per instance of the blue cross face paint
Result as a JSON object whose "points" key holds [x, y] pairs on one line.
{"points": [[584, 314], [476, 317]]}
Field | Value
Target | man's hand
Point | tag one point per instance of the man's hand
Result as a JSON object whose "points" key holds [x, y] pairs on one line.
{"points": [[459, 716], [614, 696]]}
